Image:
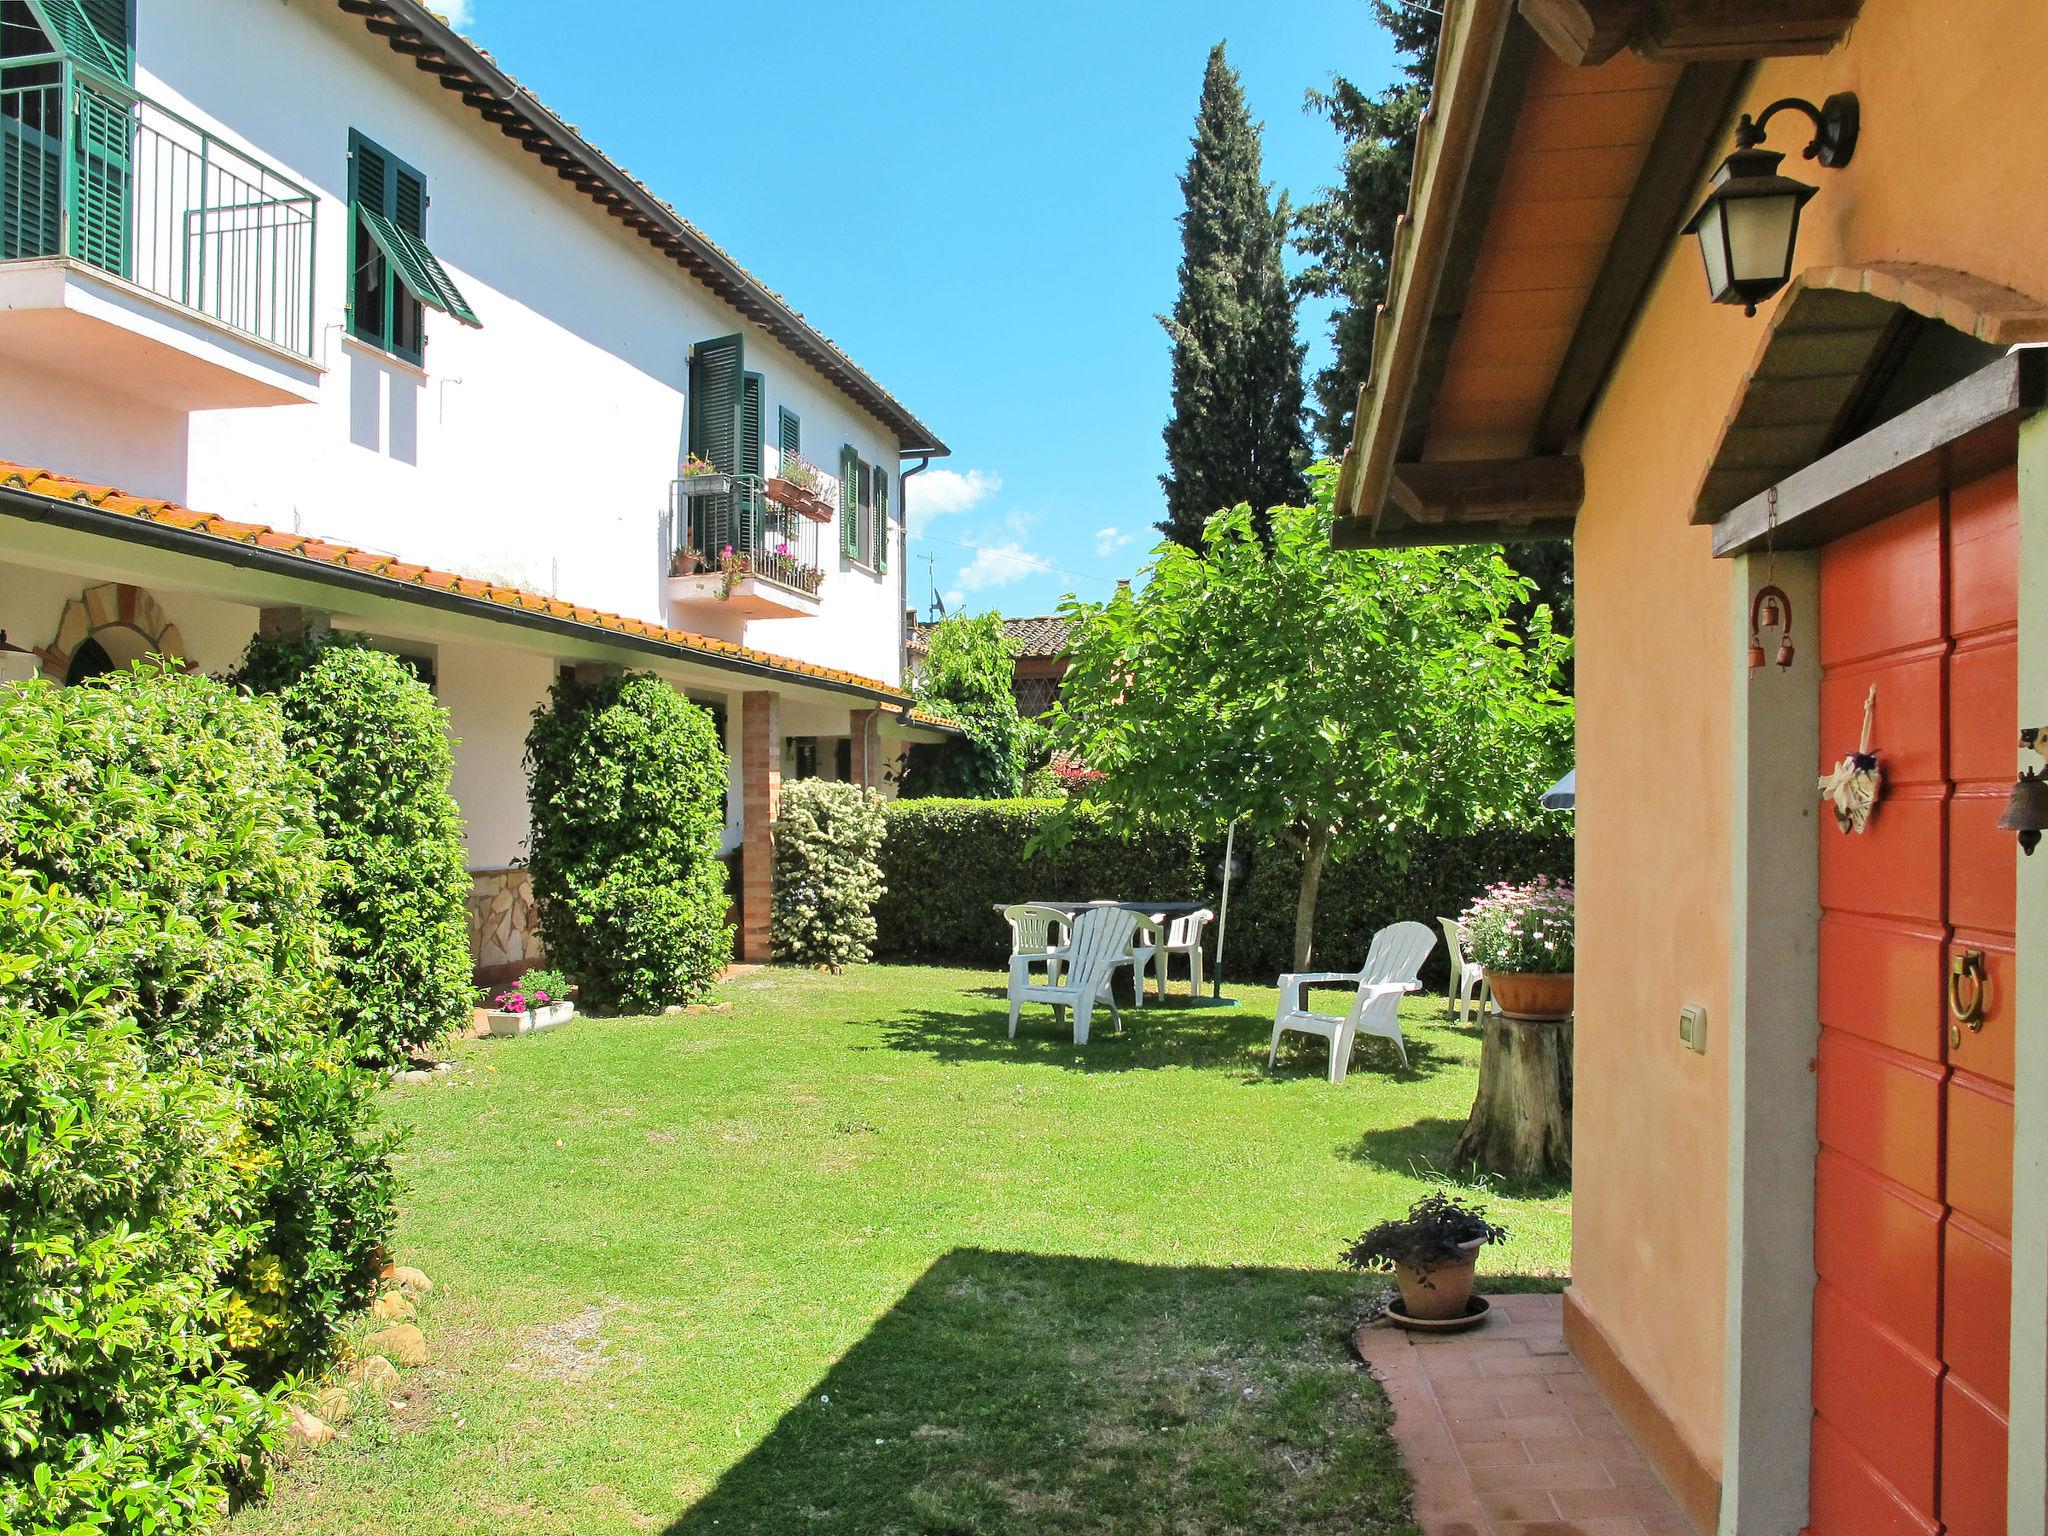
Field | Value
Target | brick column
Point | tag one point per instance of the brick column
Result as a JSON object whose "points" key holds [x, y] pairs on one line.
{"points": [[866, 744], [761, 803]]}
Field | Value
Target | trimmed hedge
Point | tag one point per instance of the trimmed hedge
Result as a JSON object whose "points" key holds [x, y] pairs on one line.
{"points": [[949, 864], [626, 780], [195, 1197], [827, 878], [397, 887]]}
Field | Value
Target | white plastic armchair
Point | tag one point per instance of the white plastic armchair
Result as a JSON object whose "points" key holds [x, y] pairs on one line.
{"points": [[1036, 933], [1467, 997], [1147, 948], [1183, 936], [1392, 967], [1101, 943]]}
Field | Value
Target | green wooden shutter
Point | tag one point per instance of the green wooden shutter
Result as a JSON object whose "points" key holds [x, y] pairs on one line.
{"points": [[866, 478], [789, 431], [849, 504], [31, 187], [881, 518], [101, 181], [94, 32], [750, 425]]}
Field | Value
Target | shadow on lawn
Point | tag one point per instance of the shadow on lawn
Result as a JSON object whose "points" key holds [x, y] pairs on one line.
{"points": [[1172, 1034], [1012, 1393], [1422, 1148]]}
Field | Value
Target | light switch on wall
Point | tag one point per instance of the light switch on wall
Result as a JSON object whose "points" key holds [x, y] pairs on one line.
{"points": [[1692, 1028]]}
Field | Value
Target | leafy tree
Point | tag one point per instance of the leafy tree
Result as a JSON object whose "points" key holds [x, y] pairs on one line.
{"points": [[1328, 698], [965, 676], [828, 873], [1236, 431], [1347, 234]]}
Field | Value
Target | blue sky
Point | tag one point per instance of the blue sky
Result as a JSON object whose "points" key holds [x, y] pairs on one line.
{"points": [[986, 197]]}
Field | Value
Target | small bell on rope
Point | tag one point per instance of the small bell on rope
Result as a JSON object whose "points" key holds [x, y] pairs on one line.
{"points": [[1855, 784]]}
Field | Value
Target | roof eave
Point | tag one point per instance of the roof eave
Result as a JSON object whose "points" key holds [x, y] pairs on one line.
{"points": [[438, 49]]}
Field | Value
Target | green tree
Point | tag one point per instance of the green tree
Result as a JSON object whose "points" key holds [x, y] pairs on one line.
{"points": [[1347, 234], [1327, 698], [1236, 432], [965, 676]]}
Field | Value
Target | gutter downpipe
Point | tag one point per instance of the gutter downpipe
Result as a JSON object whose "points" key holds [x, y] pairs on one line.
{"points": [[924, 462]]}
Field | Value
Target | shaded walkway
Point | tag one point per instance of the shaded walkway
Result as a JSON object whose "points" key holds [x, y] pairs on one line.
{"points": [[1505, 1436]]}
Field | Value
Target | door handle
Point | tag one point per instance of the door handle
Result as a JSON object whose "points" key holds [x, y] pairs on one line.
{"points": [[1967, 981]]}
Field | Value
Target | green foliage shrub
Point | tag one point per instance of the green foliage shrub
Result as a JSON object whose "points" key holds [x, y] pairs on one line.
{"points": [[625, 780], [397, 881], [948, 864], [827, 873], [221, 1201], [965, 676]]}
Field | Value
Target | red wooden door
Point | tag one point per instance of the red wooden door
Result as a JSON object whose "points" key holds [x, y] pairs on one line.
{"points": [[1913, 1184]]}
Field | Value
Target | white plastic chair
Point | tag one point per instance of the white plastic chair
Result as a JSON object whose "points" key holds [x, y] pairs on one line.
{"points": [[1392, 967], [1148, 943], [1037, 933], [1468, 998], [1183, 936], [1101, 943]]}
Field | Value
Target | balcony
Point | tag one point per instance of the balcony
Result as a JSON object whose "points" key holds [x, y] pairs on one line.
{"points": [[140, 251], [750, 553]]}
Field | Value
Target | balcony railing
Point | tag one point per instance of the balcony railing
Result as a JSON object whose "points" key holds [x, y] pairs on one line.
{"points": [[743, 531], [91, 170]]}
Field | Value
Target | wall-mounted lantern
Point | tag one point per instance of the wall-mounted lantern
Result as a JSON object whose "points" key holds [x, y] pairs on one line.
{"points": [[2027, 811], [17, 665], [1749, 225]]}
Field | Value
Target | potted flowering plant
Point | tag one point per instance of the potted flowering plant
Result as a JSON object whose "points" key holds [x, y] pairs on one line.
{"points": [[796, 484], [1522, 935], [686, 561], [538, 1000], [731, 567], [1433, 1253], [701, 477]]}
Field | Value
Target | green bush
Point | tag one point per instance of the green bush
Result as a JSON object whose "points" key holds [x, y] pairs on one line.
{"points": [[168, 1021], [948, 864], [827, 876], [965, 676], [129, 1195], [397, 882], [626, 779]]}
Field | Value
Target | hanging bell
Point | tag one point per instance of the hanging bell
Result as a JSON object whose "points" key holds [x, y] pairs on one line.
{"points": [[2027, 811], [1770, 609]]}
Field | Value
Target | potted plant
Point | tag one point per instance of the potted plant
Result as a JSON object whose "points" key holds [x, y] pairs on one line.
{"points": [[685, 562], [795, 482], [1433, 1253], [1522, 935], [701, 477], [538, 1000]]}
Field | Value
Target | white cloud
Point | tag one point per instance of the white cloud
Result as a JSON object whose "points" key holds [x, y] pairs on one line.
{"points": [[456, 13], [939, 492], [1109, 540], [999, 565], [953, 600]]}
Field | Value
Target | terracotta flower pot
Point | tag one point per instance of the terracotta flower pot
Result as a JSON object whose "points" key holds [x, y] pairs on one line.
{"points": [[1530, 995], [1444, 1292]]}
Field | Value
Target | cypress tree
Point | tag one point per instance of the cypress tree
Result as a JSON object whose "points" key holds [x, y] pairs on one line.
{"points": [[1236, 434]]}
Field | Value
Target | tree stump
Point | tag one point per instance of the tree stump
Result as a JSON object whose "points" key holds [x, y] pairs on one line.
{"points": [[1521, 1124]]}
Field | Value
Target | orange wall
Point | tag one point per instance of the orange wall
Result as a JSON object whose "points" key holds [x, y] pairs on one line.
{"points": [[1948, 172]]}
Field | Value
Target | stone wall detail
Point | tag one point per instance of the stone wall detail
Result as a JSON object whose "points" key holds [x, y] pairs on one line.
{"points": [[504, 936]]}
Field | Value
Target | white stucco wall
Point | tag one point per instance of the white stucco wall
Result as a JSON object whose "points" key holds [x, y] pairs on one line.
{"points": [[537, 450], [491, 694]]}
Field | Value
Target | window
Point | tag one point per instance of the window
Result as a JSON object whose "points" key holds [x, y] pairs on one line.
{"points": [[36, 103], [393, 276], [789, 431], [863, 510], [881, 559]]}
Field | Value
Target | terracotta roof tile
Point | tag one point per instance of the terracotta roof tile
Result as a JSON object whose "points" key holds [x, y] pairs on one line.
{"points": [[1045, 635], [57, 487]]}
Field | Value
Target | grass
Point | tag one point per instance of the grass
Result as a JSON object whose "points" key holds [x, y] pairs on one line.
{"points": [[845, 1260]]}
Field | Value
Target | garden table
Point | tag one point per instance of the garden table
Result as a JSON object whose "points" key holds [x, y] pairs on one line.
{"points": [[1151, 911]]}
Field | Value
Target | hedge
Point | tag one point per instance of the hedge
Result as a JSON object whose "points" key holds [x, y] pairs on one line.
{"points": [[949, 863], [626, 779], [827, 877], [397, 885], [195, 1197]]}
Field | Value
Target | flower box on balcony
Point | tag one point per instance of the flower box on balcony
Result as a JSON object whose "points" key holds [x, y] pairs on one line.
{"points": [[707, 483], [799, 498]]}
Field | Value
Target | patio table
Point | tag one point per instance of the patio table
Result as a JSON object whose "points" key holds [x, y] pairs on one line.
{"points": [[1153, 911]]}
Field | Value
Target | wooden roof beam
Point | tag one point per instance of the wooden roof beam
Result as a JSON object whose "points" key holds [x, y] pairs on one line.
{"points": [[1587, 32], [1550, 487]]}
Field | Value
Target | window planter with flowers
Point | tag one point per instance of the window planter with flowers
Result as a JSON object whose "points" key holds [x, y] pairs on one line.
{"points": [[538, 1000], [1522, 935], [799, 485], [701, 477]]}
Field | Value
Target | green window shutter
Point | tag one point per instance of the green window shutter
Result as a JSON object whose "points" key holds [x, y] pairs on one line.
{"points": [[387, 241], [76, 27], [717, 374], [881, 518], [849, 504], [101, 181], [31, 189], [750, 425], [789, 431], [866, 478]]}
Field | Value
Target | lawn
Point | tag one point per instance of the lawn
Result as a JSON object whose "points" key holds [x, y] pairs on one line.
{"points": [[843, 1259]]}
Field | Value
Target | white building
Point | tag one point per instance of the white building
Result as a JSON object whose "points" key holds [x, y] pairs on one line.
{"points": [[369, 337]]}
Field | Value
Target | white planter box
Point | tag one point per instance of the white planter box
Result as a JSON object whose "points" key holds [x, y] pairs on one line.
{"points": [[504, 1025]]}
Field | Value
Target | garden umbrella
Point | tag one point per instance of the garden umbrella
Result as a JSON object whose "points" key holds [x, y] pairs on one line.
{"points": [[1563, 795]]}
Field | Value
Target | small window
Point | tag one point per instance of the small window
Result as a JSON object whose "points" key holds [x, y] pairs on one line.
{"points": [[393, 277]]}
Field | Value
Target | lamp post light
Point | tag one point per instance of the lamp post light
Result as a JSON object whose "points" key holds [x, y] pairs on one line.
{"points": [[1748, 227]]}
